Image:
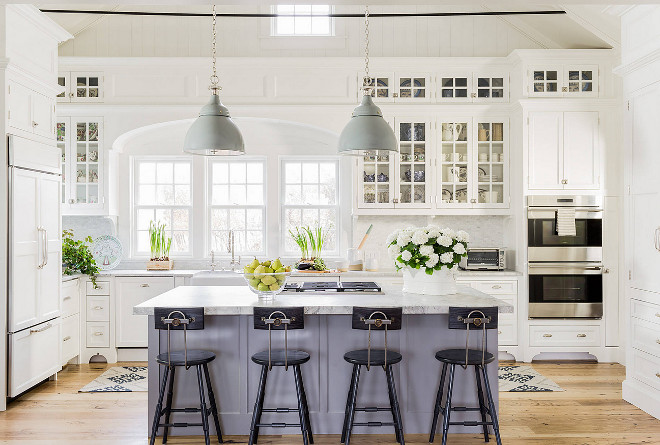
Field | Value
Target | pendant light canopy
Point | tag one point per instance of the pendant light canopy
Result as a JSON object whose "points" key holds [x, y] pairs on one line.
{"points": [[214, 133], [367, 130]]}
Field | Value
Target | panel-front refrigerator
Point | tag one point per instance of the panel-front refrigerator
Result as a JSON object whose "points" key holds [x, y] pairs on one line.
{"points": [[35, 264]]}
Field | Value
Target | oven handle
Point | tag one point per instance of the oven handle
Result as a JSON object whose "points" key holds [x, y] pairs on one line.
{"points": [[568, 268], [551, 213]]}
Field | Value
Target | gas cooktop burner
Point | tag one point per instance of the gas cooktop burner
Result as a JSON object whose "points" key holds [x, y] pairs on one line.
{"points": [[329, 286]]}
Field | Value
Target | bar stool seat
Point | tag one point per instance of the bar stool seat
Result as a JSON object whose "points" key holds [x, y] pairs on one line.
{"points": [[457, 357], [178, 358], [277, 358], [360, 357]]}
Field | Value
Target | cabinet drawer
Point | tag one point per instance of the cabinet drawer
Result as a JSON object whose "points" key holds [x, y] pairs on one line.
{"points": [[646, 336], [496, 287], [98, 308], [645, 311], [70, 337], [564, 335], [103, 288], [98, 335], [507, 333], [70, 298], [646, 368], [34, 355]]}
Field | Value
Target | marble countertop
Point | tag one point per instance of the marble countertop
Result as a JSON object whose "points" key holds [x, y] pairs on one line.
{"points": [[239, 300]]}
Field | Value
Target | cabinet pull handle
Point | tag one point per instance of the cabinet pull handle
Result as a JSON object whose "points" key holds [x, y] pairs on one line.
{"points": [[497, 286], [499, 332], [657, 374], [473, 201], [98, 334], [547, 335], [581, 335], [144, 285], [657, 314], [67, 338], [68, 297], [45, 328], [658, 341], [97, 308]]}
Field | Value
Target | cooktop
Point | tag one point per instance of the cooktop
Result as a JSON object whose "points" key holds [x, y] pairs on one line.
{"points": [[333, 286]]}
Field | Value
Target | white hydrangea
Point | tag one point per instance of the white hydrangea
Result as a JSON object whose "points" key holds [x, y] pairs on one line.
{"points": [[406, 255], [394, 251], [448, 232], [403, 238], [459, 248], [433, 260], [420, 237], [434, 232], [462, 236], [391, 237], [432, 227], [426, 250], [444, 240], [447, 257]]}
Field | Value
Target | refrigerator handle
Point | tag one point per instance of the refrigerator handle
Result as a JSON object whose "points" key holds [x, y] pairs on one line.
{"points": [[45, 251], [40, 247]]}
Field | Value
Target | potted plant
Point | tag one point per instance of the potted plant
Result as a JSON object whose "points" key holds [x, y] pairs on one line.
{"points": [[77, 258], [160, 247], [428, 257], [310, 241]]}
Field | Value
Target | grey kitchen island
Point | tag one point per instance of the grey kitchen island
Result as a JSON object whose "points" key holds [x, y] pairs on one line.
{"points": [[327, 336]]}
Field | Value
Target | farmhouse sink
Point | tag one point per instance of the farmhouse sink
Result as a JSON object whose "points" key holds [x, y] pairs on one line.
{"points": [[217, 278]]}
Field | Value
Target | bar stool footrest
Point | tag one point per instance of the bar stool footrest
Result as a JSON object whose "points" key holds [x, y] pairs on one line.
{"points": [[279, 410], [373, 409], [464, 408], [471, 423], [277, 425], [184, 410], [375, 424], [178, 425]]}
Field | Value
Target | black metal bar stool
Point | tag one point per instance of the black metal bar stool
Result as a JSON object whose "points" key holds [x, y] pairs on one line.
{"points": [[281, 319], [479, 319], [188, 319], [380, 320]]}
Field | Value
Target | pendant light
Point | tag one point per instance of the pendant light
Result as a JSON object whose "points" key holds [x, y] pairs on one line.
{"points": [[367, 130], [214, 133]]}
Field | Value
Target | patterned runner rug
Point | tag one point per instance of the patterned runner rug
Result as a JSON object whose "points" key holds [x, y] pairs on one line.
{"points": [[523, 378], [119, 379]]}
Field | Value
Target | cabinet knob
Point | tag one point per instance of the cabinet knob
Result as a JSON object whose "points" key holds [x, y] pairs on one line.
{"points": [[657, 314], [473, 95], [71, 201], [473, 201], [35, 124], [564, 181], [395, 200], [497, 286], [657, 374], [395, 94], [144, 285], [68, 297], [564, 89], [547, 335], [70, 94], [581, 335], [658, 341], [499, 332]]}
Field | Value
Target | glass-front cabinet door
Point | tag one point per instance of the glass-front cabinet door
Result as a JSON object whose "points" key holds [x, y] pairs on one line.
{"points": [[454, 88], [491, 162], [413, 88], [490, 88], [454, 162], [376, 179], [413, 172], [382, 86], [580, 80], [61, 135], [545, 81]]}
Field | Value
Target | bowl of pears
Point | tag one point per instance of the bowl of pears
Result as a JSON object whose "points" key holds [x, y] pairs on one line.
{"points": [[267, 278]]}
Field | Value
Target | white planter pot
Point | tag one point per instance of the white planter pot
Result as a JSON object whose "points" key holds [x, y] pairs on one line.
{"points": [[417, 281]]}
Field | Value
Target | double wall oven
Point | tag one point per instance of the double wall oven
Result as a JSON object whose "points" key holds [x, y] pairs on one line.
{"points": [[565, 271]]}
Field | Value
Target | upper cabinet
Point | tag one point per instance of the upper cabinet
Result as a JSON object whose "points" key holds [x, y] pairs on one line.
{"points": [[399, 87], [80, 87], [563, 150], [29, 112], [473, 87], [562, 81]]}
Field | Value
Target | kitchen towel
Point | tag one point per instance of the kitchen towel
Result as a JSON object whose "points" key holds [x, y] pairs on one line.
{"points": [[566, 221]]}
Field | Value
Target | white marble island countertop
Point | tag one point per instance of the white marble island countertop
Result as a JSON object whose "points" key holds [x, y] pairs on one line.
{"points": [[239, 300]]}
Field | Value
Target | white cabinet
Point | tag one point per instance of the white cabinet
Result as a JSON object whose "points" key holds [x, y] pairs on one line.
{"points": [[399, 87], [473, 163], [132, 330], [30, 112], [80, 140], [473, 87], [80, 87], [563, 150], [562, 81], [70, 320], [645, 241]]}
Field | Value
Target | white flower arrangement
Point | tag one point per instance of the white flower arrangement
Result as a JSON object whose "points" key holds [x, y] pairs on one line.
{"points": [[429, 248]]}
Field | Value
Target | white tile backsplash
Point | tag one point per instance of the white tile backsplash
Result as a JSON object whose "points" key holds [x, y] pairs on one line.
{"points": [[93, 226]]}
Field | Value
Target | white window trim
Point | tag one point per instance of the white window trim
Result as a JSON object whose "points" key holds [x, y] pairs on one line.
{"points": [[135, 207], [282, 208], [273, 24], [208, 180]]}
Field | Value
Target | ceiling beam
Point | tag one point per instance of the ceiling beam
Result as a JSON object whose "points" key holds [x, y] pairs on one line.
{"points": [[528, 31], [603, 26]]}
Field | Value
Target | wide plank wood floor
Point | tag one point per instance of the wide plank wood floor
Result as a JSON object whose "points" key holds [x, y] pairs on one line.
{"points": [[590, 411]]}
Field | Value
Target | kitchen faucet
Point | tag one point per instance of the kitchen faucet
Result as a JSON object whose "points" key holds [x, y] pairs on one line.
{"points": [[213, 265], [231, 248]]}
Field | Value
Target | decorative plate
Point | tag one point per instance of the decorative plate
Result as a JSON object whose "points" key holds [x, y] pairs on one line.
{"points": [[107, 252], [446, 195]]}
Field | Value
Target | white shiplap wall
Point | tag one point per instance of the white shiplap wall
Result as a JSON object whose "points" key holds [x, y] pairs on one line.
{"points": [[147, 36]]}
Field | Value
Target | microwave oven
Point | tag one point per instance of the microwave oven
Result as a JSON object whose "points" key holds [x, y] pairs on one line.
{"points": [[483, 259]]}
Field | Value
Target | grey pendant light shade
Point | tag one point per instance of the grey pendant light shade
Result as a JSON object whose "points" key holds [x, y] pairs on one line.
{"points": [[214, 133], [367, 130]]}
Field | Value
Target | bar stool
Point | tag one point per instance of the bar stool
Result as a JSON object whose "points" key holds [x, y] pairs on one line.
{"points": [[280, 319], [379, 320], [188, 319], [464, 318]]}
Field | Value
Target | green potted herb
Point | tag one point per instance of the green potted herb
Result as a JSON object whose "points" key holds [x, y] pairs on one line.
{"points": [[160, 247], [77, 258]]}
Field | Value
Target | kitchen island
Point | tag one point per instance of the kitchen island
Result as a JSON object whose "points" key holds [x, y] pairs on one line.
{"points": [[327, 336]]}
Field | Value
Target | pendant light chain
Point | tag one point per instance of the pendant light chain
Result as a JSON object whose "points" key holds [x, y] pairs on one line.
{"points": [[367, 81], [215, 87]]}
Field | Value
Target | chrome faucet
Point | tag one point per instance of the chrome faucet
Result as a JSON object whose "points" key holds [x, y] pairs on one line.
{"points": [[231, 248], [213, 265]]}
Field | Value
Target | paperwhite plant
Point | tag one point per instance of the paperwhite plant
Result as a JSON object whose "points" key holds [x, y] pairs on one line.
{"points": [[429, 248]]}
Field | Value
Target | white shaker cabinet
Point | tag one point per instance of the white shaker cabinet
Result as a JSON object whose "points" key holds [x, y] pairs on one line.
{"points": [[29, 112], [132, 330], [563, 150]]}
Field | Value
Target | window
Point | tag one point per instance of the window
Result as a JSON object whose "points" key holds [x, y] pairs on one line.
{"points": [[302, 20], [237, 202], [162, 192], [310, 198]]}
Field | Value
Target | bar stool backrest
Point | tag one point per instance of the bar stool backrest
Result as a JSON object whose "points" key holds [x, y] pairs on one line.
{"points": [[378, 319], [185, 319], [279, 319], [470, 318]]}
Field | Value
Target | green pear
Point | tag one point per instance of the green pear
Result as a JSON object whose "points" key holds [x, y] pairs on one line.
{"points": [[268, 280], [259, 271], [254, 282], [263, 288], [266, 263], [248, 269], [276, 264], [254, 264], [280, 270], [274, 286], [268, 270]]}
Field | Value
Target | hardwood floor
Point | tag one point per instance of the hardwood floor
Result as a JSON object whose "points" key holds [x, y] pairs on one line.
{"points": [[590, 411]]}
